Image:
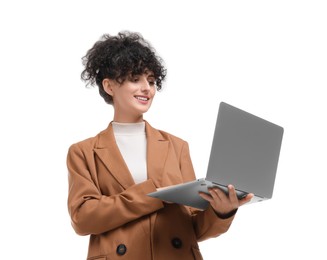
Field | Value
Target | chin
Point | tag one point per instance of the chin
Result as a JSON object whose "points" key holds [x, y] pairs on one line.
{"points": [[144, 111]]}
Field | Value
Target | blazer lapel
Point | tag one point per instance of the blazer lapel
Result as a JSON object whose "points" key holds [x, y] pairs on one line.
{"points": [[109, 154], [157, 152], [157, 157]]}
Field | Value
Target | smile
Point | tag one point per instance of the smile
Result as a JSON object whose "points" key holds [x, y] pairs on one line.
{"points": [[142, 98]]}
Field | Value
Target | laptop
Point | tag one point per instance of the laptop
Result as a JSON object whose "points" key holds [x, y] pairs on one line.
{"points": [[245, 152]]}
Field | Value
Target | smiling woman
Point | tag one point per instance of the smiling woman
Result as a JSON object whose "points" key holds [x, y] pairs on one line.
{"points": [[131, 98], [111, 174], [121, 57]]}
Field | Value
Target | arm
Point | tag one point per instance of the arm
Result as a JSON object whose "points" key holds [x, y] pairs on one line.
{"points": [[93, 213], [221, 211], [217, 219]]}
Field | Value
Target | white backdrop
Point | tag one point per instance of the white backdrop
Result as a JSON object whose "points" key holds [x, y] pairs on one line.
{"points": [[267, 57]]}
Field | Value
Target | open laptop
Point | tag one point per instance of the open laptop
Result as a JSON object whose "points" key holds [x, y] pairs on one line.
{"points": [[244, 152]]}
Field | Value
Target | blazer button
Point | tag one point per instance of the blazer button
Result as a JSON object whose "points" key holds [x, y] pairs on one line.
{"points": [[121, 249], [176, 242]]}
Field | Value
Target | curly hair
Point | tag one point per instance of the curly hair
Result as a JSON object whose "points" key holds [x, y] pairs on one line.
{"points": [[117, 58]]}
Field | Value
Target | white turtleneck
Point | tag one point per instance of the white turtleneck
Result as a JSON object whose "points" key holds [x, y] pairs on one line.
{"points": [[131, 141]]}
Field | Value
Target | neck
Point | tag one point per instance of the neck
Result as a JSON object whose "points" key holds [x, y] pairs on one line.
{"points": [[128, 119]]}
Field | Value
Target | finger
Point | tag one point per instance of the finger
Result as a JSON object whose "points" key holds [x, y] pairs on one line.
{"points": [[247, 199], [218, 193], [205, 196], [232, 194]]}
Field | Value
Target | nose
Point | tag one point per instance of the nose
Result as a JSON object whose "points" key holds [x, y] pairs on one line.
{"points": [[145, 86]]}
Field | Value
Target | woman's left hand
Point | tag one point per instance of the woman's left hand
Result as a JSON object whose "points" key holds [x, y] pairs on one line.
{"points": [[224, 204]]}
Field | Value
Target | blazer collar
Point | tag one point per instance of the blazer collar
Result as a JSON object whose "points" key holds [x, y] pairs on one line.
{"points": [[108, 152], [157, 153]]}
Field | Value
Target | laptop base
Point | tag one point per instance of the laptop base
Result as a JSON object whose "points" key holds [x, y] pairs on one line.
{"points": [[188, 193]]}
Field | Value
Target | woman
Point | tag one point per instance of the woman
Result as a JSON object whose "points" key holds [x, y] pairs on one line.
{"points": [[111, 173]]}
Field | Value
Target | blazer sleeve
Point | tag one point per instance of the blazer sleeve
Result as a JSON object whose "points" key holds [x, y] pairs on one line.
{"points": [[93, 213], [206, 223]]}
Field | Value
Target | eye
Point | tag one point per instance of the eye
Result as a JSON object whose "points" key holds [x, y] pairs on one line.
{"points": [[152, 82], [135, 79]]}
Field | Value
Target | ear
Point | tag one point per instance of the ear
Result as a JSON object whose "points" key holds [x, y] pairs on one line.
{"points": [[108, 86]]}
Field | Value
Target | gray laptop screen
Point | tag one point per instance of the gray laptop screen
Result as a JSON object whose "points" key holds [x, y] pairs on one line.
{"points": [[245, 151]]}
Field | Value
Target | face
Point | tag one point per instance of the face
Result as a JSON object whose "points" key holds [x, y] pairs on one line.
{"points": [[132, 98]]}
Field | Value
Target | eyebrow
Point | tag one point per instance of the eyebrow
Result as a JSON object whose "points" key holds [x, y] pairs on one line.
{"points": [[149, 74]]}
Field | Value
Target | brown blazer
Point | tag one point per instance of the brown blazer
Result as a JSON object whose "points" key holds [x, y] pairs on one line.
{"points": [[125, 223]]}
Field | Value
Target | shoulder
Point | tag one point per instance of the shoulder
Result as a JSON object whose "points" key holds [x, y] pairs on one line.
{"points": [[87, 144], [177, 142], [172, 137]]}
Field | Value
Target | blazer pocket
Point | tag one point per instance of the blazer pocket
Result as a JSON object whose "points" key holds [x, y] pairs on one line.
{"points": [[197, 254], [99, 257]]}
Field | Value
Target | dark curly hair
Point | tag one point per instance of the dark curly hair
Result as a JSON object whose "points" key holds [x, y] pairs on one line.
{"points": [[117, 58]]}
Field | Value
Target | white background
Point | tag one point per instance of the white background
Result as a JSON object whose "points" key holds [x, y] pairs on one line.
{"points": [[267, 57]]}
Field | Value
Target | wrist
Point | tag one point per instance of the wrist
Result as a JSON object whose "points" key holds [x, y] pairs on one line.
{"points": [[225, 215]]}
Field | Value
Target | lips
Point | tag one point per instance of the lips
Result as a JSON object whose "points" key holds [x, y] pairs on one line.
{"points": [[142, 98]]}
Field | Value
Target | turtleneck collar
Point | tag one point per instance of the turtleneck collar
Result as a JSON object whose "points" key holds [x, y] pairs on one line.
{"points": [[128, 128]]}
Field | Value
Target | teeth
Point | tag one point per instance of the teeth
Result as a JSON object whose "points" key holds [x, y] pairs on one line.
{"points": [[142, 98]]}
